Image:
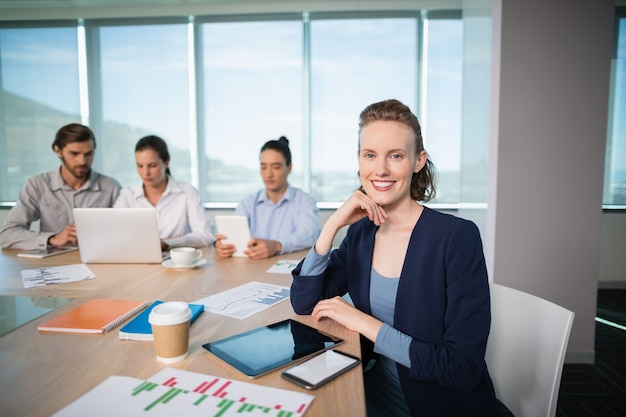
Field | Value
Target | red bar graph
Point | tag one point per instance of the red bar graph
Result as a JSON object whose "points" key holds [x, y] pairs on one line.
{"points": [[204, 387], [218, 393], [170, 382]]}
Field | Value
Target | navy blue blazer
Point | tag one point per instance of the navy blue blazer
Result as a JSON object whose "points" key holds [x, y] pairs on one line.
{"points": [[442, 303]]}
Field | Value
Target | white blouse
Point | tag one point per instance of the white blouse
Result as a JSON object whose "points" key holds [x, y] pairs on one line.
{"points": [[181, 217]]}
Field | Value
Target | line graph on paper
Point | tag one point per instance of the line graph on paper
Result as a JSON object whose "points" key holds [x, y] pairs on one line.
{"points": [[176, 392], [245, 300]]}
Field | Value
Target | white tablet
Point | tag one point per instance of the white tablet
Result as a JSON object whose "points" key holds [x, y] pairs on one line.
{"points": [[236, 230]]}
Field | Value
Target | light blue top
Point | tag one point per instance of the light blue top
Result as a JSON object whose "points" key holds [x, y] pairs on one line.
{"points": [[383, 388], [292, 221], [390, 342]]}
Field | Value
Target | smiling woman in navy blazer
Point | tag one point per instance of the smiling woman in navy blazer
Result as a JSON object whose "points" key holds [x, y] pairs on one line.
{"points": [[417, 279]]}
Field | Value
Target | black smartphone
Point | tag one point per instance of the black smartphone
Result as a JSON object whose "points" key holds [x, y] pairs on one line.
{"points": [[320, 369]]}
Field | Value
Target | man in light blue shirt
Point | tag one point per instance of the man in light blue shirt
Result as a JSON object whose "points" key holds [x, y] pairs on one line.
{"points": [[282, 218]]}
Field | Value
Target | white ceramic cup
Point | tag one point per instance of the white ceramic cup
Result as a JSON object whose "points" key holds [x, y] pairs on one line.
{"points": [[185, 256], [170, 323]]}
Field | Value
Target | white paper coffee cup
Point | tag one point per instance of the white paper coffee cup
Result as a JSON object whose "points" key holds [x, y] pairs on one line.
{"points": [[170, 326]]}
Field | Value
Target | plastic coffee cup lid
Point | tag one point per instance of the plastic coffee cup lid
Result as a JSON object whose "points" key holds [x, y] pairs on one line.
{"points": [[171, 312]]}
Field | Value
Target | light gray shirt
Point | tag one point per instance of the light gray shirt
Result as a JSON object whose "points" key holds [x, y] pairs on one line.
{"points": [[47, 198]]}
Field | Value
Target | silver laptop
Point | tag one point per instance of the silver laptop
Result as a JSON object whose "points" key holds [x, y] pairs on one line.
{"points": [[118, 235]]}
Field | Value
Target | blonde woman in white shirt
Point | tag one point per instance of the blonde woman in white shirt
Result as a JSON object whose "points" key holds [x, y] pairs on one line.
{"points": [[181, 217]]}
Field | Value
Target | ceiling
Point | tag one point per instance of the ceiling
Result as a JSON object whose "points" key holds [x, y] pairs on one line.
{"points": [[54, 4], [16, 10]]}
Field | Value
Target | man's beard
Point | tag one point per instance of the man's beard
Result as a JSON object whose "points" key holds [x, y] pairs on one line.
{"points": [[75, 172]]}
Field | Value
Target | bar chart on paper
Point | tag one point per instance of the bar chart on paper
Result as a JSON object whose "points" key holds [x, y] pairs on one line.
{"points": [[245, 300], [176, 392]]}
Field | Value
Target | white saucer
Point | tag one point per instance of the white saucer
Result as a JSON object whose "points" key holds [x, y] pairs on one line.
{"points": [[169, 264]]}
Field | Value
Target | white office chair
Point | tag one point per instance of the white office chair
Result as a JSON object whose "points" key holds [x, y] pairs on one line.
{"points": [[526, 349]]}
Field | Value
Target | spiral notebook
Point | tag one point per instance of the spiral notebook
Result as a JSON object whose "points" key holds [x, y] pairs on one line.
{"points": [[94, 316]]}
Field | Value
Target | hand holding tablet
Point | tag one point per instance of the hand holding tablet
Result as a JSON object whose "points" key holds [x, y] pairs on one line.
{"points": [[236, 230]]}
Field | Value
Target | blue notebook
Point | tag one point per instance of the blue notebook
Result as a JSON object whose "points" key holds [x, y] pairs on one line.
{"points": [[139, 328]]}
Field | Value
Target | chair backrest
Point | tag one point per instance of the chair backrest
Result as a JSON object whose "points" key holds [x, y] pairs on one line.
{"points": [[526, 349]]}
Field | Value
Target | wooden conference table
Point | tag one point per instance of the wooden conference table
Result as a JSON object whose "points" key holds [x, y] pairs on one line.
{"points": [[40, 373]]}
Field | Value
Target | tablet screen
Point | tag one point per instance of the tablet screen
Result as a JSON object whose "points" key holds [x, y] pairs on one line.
{"points": [[264, 349]]}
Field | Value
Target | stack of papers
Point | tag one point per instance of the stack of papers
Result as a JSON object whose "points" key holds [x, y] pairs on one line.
{"points": [[56, 275]]}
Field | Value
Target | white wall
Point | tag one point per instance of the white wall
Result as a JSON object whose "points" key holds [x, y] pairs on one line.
{"points": [[612, 250], [552, 63]]}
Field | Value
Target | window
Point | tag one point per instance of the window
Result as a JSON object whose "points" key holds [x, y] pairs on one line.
{"points": [[615, 165], [354, 62], [40, 93], [442, 113], [144, 90], [252, 76], [217, 87]]}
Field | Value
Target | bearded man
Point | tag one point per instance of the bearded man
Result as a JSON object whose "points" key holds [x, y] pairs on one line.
{"points": [[50, 197]]}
